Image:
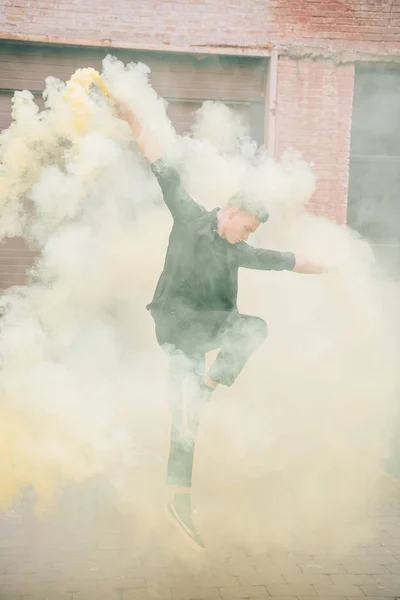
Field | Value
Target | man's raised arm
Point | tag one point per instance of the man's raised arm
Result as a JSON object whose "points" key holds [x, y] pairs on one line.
{"points": [[181, 205]]}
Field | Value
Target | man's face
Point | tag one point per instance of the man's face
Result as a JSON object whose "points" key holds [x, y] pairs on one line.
{"points": [[239, 226]]}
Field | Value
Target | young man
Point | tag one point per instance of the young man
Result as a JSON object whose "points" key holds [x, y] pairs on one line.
{"points": [[195, 308]]}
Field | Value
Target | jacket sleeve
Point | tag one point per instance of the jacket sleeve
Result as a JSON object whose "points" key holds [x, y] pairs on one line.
{"points": [[266, 260], [180, 203]]}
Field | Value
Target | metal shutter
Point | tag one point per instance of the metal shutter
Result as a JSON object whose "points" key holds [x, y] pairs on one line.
{"points": [[185, 81]]}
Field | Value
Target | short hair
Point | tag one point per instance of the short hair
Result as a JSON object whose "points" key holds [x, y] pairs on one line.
{"points": [[249, 203]]}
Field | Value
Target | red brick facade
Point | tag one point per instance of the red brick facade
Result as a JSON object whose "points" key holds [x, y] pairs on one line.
{"points": [[318, 42], [372, 26], [365, 26], [314, 107]]}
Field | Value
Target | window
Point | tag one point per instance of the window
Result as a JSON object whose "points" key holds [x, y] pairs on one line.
{"points": [[374, 188]]}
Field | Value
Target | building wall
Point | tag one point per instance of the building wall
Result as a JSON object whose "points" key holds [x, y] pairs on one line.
{"points": [[209, 25], [370, 26], [156, 23], [314, 105], [318, 42]]}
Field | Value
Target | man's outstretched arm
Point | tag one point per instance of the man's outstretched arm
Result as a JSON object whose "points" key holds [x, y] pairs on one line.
{"points": [[272, 260], [181, 205]]}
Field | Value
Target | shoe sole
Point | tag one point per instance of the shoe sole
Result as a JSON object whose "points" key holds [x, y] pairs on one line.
{"points": [[175, 520]]}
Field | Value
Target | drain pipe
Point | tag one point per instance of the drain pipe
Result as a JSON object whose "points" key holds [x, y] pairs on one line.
{"points": [[271, 93]]}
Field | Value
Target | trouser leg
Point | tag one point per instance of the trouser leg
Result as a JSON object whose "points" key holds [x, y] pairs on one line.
{"points": [[186, 374], [240, 337]]}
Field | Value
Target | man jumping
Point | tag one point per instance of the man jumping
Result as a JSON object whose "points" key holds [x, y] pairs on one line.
{"points": [[195, 308]]}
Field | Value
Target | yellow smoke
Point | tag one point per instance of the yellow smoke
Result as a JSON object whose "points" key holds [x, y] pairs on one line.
{"points": [[76, 94]]}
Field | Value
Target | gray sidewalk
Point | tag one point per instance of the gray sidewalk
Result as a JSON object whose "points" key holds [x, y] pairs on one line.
{"points": [[85, 550]]}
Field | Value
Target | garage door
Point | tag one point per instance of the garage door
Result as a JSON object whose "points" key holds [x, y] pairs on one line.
{"points": [[185, 81]]}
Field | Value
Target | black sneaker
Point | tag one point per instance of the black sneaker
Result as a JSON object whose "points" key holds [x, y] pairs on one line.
{"points": [[180, 513]]}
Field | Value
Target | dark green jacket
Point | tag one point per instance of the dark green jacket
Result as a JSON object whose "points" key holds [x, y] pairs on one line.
{"points": [[201, 268]]}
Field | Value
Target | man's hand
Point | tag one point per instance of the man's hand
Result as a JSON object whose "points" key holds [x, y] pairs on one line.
{"points": [[148, 145], [124, 112], [307, 267]]}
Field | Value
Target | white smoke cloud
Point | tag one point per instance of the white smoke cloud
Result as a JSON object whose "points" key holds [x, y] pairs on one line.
{"points": [[295, 448]]}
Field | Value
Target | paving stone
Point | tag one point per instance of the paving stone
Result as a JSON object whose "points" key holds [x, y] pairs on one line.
{"points": [[291, 589], [241, 591], [381, 591], [339, 590], [195, 593]]}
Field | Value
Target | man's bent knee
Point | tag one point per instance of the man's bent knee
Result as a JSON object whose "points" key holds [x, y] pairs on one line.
{"points": [[256, 330]]}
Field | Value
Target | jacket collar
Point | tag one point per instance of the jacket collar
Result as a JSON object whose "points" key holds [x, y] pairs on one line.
{"points": [[209, 225]]}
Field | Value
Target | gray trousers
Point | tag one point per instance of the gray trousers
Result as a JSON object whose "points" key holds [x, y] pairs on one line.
{"points": [[186, 342]]}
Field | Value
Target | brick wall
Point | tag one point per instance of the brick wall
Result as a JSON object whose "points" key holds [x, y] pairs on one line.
{"points": [[157, 24], [371, 26], [209, 25], [314, 97], [314, 105]]}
